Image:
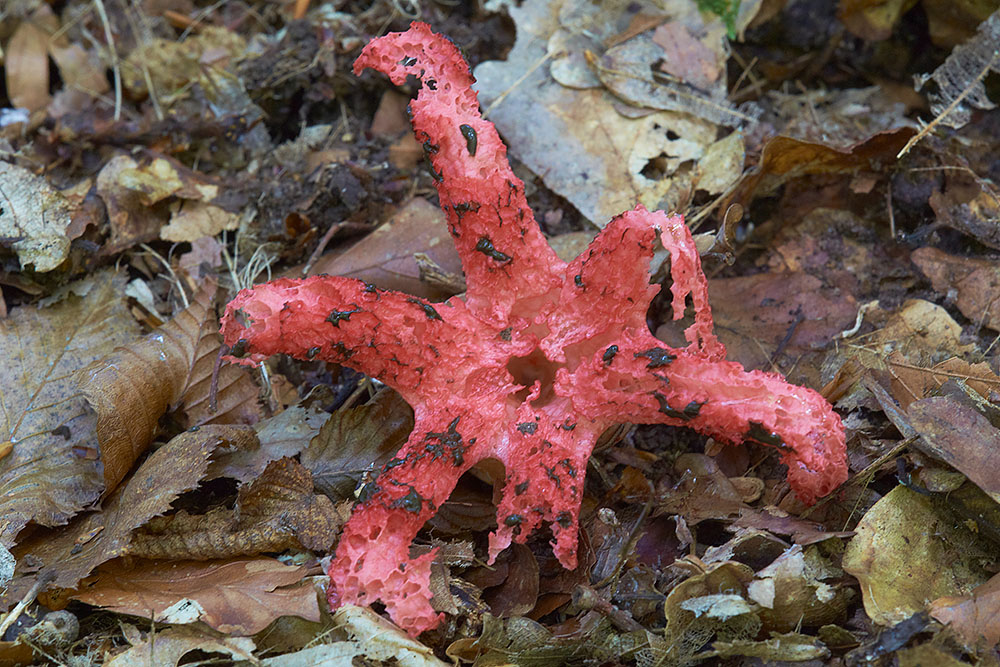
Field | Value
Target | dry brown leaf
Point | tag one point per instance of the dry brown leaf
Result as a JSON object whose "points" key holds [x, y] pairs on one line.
{"points": [[784, 159], [26, 61], [355, 440], [169, 645], [178, 466], [197, 219], [793, 311], [135, 385], [275, 512], [975, 283], [975, 617], [385, 257], [131, 190], [51, 471], [238, 597]]}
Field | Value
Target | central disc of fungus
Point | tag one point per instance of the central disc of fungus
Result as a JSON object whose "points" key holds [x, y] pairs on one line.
{"points": [[530, 369]]}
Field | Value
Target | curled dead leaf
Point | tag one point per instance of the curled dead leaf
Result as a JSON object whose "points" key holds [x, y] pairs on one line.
{"points": [[275, 512], [132, 388]]}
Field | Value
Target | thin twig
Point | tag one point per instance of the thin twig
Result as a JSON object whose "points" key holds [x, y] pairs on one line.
{"points": [[115, 64], [44, 579], [975, 81], [173, 276]]}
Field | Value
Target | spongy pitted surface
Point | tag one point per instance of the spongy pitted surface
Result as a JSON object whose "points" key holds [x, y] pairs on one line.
{"points": [[538, 360]]}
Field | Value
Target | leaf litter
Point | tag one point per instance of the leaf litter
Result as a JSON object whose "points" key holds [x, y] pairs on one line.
{"points": [[864, 275]]}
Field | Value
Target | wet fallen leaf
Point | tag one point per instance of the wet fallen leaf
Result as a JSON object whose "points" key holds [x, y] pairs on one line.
{"points": [[51, 471], [355, 440], [906, 554], [962, 437], [238, 597], [285, 434], [517, 594]]}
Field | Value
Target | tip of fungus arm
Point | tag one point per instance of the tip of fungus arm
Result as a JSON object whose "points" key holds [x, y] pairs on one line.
{"points": [[504, 254]]}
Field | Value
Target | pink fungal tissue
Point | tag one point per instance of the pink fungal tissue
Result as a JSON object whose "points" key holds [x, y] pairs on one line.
{"points": [[529, 367]]}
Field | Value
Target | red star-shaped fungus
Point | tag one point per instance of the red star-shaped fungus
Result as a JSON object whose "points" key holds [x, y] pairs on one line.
{"points": [[530, 368]]}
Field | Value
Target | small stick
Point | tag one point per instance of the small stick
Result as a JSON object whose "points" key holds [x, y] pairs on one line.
{"points": [[44, 579]]}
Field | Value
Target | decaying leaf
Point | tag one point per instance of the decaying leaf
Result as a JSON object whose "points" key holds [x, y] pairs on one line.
{"points": [[238, 597], [131, 188], [51, 471], [90, 540], [355, 440], [789, 647], [377, 639], [576, 137], [133, 387], [169, 65], [961, 88], [197, 219], [706, 605], [799, 589], [275, 512], [522, 641], [906, 554], [978, 217], [784, 158], [626, 70], [285, 434], [34, 218]]}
